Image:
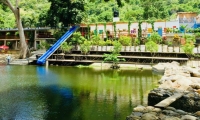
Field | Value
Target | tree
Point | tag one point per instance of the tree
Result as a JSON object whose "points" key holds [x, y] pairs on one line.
{"points": [[65, 12], [154, 9], [16, 11]]}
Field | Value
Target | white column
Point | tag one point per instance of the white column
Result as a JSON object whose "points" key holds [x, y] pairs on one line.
{"points": [[47, 63]]}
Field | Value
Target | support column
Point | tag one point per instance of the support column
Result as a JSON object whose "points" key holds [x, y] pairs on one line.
{"points": [[4, 42], [16, 45], [34, 44], [47, 63]]}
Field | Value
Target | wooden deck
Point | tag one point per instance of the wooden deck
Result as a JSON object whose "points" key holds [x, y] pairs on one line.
{"points": [[130, 57], [61, 56]]}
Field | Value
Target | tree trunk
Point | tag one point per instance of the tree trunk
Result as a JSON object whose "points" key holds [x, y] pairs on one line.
{"points": [[16, 12], [23, 44]]}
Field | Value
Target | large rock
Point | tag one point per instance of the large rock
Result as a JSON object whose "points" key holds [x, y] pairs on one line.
{"points": [[149, 116], [188, 117]]}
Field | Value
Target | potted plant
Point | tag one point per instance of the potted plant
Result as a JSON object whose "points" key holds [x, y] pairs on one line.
{"points": [[126, 42], [66, 47], [188, 49], [170, 48], [152, 47], [16, 35], [197, 37], [182, 28], [190, 39], [8, 35], [109, 45], [176, 42], [169, 30], [94, 41], [85, 47], [77, 39], [156, 38], [164, 44], [136, 44], [101, 45]]}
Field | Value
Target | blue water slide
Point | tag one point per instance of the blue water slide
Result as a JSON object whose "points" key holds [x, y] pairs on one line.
{"points": [[41, 60]]}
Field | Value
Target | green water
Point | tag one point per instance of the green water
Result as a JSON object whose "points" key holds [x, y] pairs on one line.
{"points": [[69, 93]]}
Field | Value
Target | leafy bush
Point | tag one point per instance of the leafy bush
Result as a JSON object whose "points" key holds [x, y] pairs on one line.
{"points": [[136, 42], [155, 37], [109, 42], [125, 40], [85, 47], [101, 43], [188, 48], [44, 45], [66, 47], [77, 38], [151, 46]]}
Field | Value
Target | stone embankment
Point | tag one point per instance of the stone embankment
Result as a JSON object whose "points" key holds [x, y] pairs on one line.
{"points": [[169, 113], [176, 79]]}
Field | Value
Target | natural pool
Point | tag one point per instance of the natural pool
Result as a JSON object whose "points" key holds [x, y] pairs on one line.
{"points": [[70, 93]]}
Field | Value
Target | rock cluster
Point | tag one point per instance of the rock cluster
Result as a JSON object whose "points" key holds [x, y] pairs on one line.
{"points": [[178, 79], [169, 113], [175, 79]]}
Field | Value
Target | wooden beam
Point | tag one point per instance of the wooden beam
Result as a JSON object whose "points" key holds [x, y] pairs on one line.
{"points": [[166, 102]]}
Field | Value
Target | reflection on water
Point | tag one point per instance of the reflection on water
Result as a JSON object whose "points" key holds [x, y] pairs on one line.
{"points": [[68, 93]]}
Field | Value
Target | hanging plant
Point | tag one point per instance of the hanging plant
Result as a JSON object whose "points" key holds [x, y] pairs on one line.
{"points": [[88, 32], [105, 30], [140, 30], [152, 24], [129, 27], [96, 30], [115, 31]]}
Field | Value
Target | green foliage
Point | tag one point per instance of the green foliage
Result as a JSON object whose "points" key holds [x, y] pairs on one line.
{"points": [[7, 33], [188, 48], [77, 38], [151, 21], [140, 30], [151, 46], [66, 47], [101, 43], [85, 47], [29, 10], [35, 13], [113, 57], [136, 42], [115, 30], [154, 9], [189, 45], [197, 35], [155, 37], [108, 42], [17, 33], [117, 47], [129, 26], [189, 38], [44, 45], [95, 39], [65, 12], [57, 34], [125, 40], [169, 43]]}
